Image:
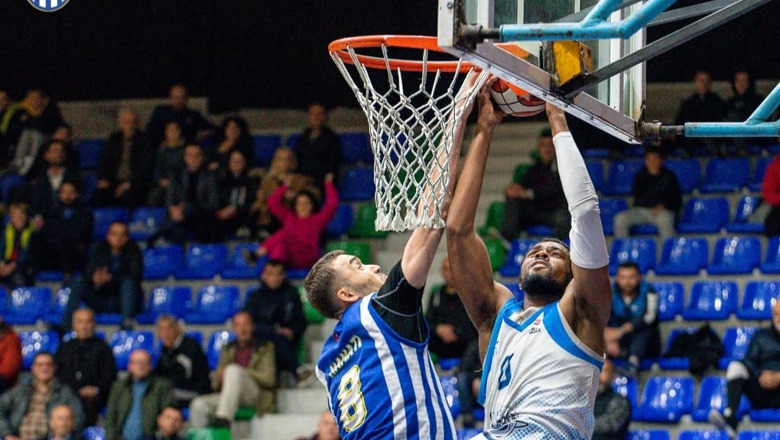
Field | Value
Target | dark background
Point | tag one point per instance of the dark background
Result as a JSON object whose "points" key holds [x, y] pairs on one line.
{"points": [[261, 53]]}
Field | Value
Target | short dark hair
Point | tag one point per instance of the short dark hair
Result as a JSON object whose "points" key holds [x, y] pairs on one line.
{"points": [[629, 265], [320, 284], [275, 263], [560, 242], [43, 353]]}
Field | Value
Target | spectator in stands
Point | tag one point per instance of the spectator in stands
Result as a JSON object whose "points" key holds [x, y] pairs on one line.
{"points": [[236, 194], [10, 356], [194, 125], [86, 363], [11, 114], [277, 314], [327, 429], [38, 117], [181, 361], [612, 410], [657, 198], [469, 379], [703, 105], [25, 409], [19, 235], [757, 376], [233, 136], [770, 191], [64, 134], [741, 105], [451, 328], [537, 199], [318, 148], [47, 181], [41, 112], [123, 165], [62, 425], [169, 425], [632, 329], [245, 376], [65, 234], [169, 163], [135, 402], [282, 165], [298, 243], [112, 281]]}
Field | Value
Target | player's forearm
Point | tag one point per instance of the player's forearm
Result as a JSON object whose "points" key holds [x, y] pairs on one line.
{"points": [[467, 191], [418, 255]]}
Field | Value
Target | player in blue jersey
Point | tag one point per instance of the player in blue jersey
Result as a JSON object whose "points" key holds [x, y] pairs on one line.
{"points": [[376, 366], [542, 357]]}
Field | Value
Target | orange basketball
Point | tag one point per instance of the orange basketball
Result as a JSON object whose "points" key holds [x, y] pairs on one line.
{"points": [[515, 101]]}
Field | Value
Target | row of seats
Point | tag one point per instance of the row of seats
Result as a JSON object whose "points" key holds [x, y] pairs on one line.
{"points": [[657, 434]]}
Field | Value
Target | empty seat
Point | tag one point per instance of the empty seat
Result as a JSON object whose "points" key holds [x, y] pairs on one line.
{"points": [[675, 363], [772, 263], [88, 186], [745, 208], [35, 342], [89, 152], [758, 173], [56, 311], [494, 219], [341, 222], [161, 261], [704, 215], [103, 219], [355, 147], [724, 175], [621, 177], [671, 299], [626, 387], [145, 221], [757, 300], [540, 231], [759, 435], [124, 342], [215, 305], [265, 146], [703, 435], [735, 256], [360, 249], [214, 347], [165, 300], [357, 185], [239, 267], [711, 301], [638, 250], [649, 434], [449, 385], [683, 256], [515, 257], [10, 182], [202, 262], [735, 344], [25, 305], [95, 433], [712, 395], [665, 399], [687, 171], [596, 172], [609, 209], [364, 226], [766, 416]]}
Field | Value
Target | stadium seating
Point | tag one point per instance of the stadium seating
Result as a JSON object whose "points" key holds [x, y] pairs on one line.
{"points": [[357, 184], [540, 231], [724, 175], [757, 300], [238, 268], [95, 433], [639, 250], [712, 395], [671, 299], [765, 416], [265, 146], [202, 262], [88, 185], [704, 216], [735, 256], [35, 342], [759, 435], [49, 276], [124, 342], [56, 311], [161, 261], [495, 216], [214, 347], [215, 305], [703, 435], [596, 172], [628, 388], [609, 209], [360, 249], [735, 344], [621, 177], [665, 399], [468, 433], [595, 153], [772, 262], [711, 301], [651, 434], [687, 171], [341, 222], [103, 219], [514, 259], [450, 386], [356, 147], [171, 300], [145, 221], [758, 173], [25, 305], [675, 363], [683, 256], [89, 152], [741, 224], [2, 300], [9, 182], [364, 223], [517, 292], [496, 253]]}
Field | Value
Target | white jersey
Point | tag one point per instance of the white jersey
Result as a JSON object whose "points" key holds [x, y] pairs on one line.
{"points": [[539, 380]]}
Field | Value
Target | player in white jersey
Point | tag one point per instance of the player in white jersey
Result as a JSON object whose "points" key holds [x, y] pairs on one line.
{"points": [[542, 356]]}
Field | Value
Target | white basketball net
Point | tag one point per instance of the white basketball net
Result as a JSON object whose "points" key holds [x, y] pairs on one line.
{"points": [[411, 127]]}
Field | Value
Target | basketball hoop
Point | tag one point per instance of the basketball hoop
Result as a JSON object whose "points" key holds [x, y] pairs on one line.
{"points": [[412, 120]]}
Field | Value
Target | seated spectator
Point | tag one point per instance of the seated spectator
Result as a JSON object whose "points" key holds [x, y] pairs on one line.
{"points": [[169, 425], [181, 361], [65, 234], [703, 105], [277, 314], [46, 183], [11, 115], [632, 329], [169, 162], [194, 125], [740, 106], [318, 148], [19, 235], [41, 112], [469, 379], [282, 165], [10, 356], [86, 363], [136, 401], [236, 194], [298, 243], [451, 328], [757, 376], [233, 136], [245, 376], [123, 165], [112, 281], [770, 191], [26, 408], [612, 410], [64, 134], [327, 429], [62, 425], [657, 198], [537, 199], [38, 119]]}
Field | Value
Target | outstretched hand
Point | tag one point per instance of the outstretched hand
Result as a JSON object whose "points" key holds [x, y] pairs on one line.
{"points": [[489, 113]]}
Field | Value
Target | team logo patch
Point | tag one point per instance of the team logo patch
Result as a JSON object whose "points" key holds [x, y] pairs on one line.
{"points": [[48, 5]]}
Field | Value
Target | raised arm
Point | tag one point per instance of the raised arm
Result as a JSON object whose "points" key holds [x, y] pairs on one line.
{"points": [[472, 274], [588, 299]]}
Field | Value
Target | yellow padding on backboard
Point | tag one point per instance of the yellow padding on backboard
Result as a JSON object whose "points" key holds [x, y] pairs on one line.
{"points": [[572, 59]]}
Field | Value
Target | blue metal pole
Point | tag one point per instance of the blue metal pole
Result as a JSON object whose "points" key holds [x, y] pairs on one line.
{"points": [[600, 12], [732, 129], [765, 109], [643, 16]]}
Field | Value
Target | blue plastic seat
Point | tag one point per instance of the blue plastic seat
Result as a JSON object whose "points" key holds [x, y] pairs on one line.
{"points": [[215, 305], [712, 395], [704, 215], [89, 152], [735, 344], [25, 305], [766, 416], [36, 342], [165, 299], [265, 146], [703, 435], [95, 433], [628, 388], [675, 363], [648, 434], [9, 182], [202, 262], [467, 433], [238, 268], [665, 399], [449, 385], [595, 153], [216, 341], [2, 300], [124, 342], [355, 147], [725, 175], [639, 250], [49, 276], [757, 300], [687, 171], [621, 177], [103, 219], [341, 222], [540, 231], [447, 364], [56, 311], [758, 173], [145, 221], [88, 186], [357, 185], [515, 257], [196, 336], [683, 256], [609, 209], [711, 301], [772, 262], [735, 256], [671, 299], [759, 435], [161, 261], [292, 140], [745, 208], [596, 172], [517, 292]]}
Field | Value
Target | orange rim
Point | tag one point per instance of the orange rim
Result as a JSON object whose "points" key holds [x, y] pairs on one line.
{"points": [[340, 49]]}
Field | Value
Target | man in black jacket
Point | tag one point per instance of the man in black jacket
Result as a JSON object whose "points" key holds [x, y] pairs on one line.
{"points": [[318, 148], [112, 281], [703, 105], [87, 364], [47, 181], [451, 328], [612, 411], [195, 126], [181, 361], [277, 312]]}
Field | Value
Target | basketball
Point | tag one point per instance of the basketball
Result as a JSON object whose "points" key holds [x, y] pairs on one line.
{"points": [[515, 101]]}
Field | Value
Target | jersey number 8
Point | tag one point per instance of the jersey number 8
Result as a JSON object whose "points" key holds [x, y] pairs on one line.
{"points": [[351, 403]]}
